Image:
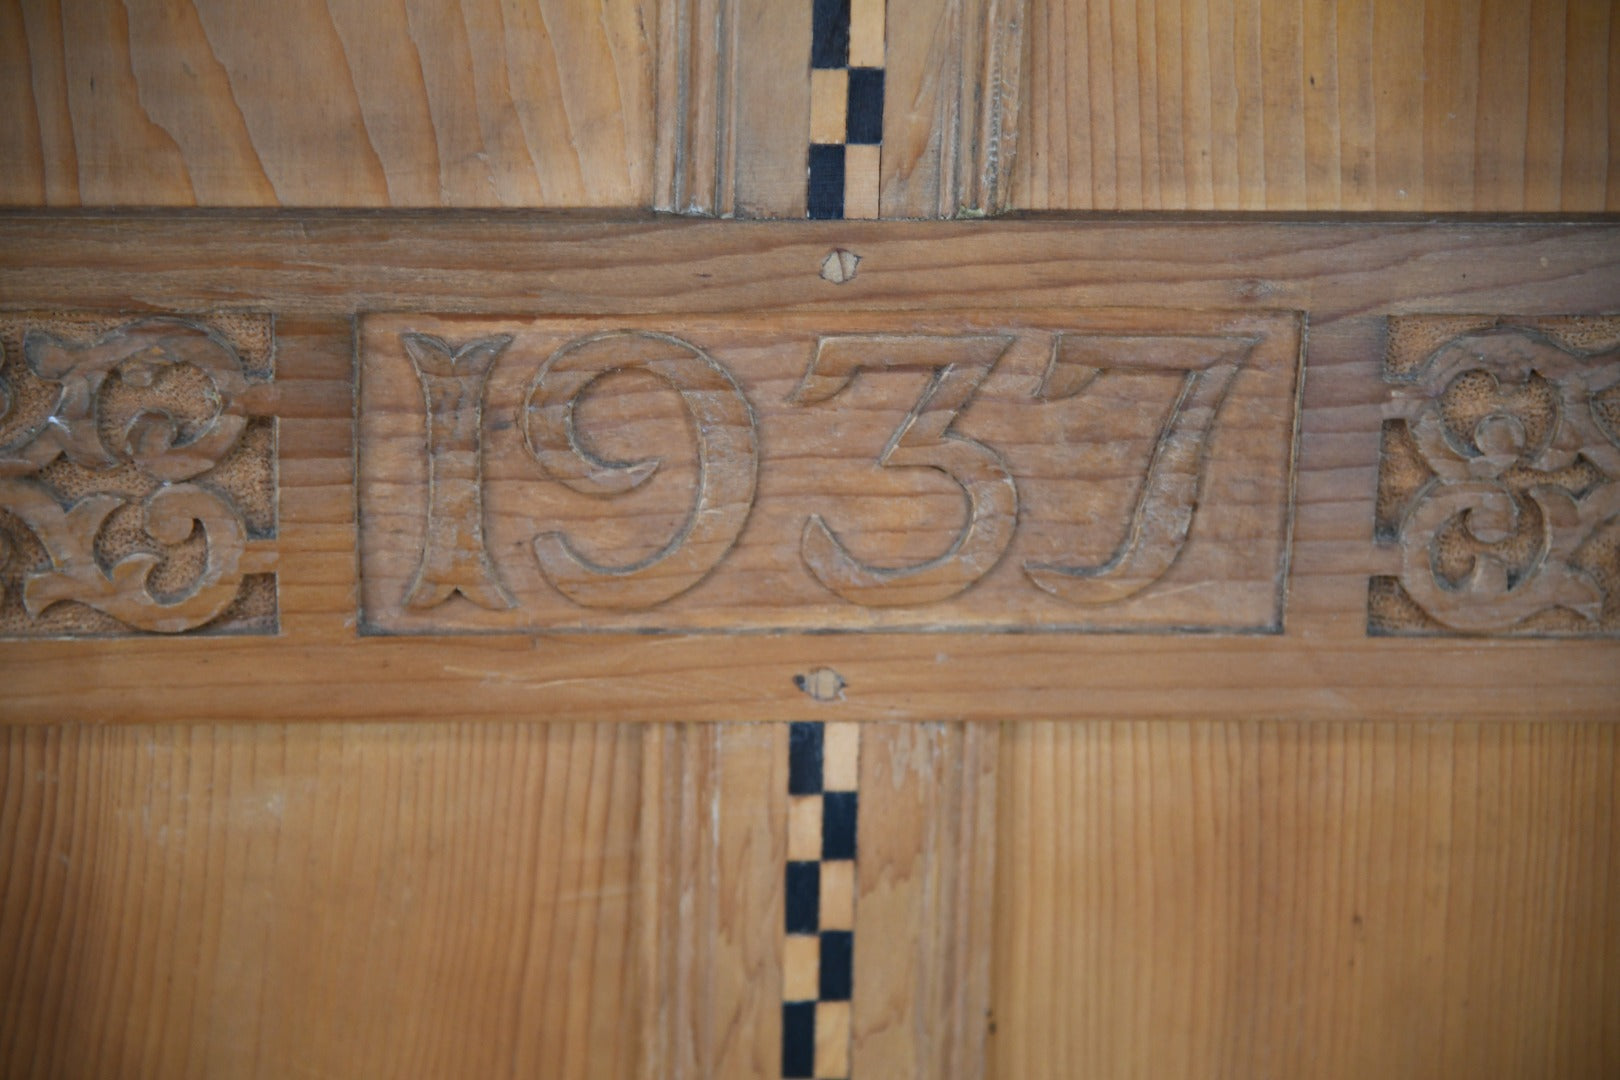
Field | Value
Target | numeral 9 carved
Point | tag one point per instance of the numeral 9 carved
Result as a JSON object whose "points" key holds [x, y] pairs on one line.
{"points": [[728, 463]]}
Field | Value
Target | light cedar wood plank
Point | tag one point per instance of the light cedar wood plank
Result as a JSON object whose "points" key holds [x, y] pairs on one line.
{"points": [[867, 38], [923, 914], [862, 182], [1501, 141], [1451, 85], [322, 900], [1322, 131], [801, 967], [314, 270], [1353, 66], [1307, 900], [840, 756], [22, 170], [1445, 105], [471, 103], [733, 108], [1399, 53], [829, 100], [589, 900], [837, 899], [701, 106], [771, 102], [713, 844], [950, 106], [1589, 84], [1282, 67], [832, 1038]]}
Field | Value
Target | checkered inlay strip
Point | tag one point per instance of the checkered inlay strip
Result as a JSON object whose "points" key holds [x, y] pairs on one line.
{"points": [[818, 961], [846, 108]]}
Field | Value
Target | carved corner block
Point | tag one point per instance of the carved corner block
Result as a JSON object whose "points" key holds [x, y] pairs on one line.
{"points": [[1009, 471], [1499, 478], [137, 475]]}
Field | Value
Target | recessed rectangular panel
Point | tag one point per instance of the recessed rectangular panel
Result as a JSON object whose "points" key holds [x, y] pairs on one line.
{"points": [[1022, 470]]}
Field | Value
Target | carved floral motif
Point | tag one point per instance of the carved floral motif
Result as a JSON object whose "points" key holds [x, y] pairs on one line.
{"points": [[125, 455], [1500, 483]]}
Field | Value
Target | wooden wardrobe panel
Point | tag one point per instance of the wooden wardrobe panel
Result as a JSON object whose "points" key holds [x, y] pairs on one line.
{"points": [[419, 103], [704, 105], [493, 899], [923, 914], [271, 901], [1390, 105], [1310, 901]]}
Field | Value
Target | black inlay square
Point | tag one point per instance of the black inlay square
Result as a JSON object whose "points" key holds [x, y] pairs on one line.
{"points": [[826, 201], [829, 30], [863, 123], [838, 824], [799, 1039], [804, 758], [837, 965], [803, 897]]}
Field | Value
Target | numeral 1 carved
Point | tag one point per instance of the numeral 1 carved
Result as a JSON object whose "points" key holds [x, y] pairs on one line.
{"points": [[1163, 515], [728, 464], [924, 439], [454, 558]]}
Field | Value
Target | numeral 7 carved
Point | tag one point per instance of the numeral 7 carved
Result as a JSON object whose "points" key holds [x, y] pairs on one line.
{"points": [[924, 439], [1163, 514]]}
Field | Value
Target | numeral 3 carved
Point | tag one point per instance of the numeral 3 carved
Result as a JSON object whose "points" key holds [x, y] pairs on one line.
{"points": [[924, 440]]}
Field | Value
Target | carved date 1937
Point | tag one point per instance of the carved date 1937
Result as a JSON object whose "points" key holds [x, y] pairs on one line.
{"points": [[1036, 471]]}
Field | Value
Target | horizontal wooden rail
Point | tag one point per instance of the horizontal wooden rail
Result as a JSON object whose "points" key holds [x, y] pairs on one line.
{"points": [[385, 466]]}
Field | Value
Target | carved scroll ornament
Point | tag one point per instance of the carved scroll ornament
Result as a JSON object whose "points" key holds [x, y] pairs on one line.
{"points": [[110, 480], [1500, 487]]}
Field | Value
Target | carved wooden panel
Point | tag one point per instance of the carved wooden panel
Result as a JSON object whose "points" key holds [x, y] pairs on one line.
{"points": [[137, 475], [1499, 481], [1008, 470], [1038, 470]]}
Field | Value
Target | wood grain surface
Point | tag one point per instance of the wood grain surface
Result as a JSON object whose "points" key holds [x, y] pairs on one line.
{"points": [[315, 271], [1504, 105], [712, 846], [1317, 900], [733, 108], [1307, 900], [923, 925], [1251, 881], [424, 104], [492, 900], [951, 107], [259, 901], [703, 106]]}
